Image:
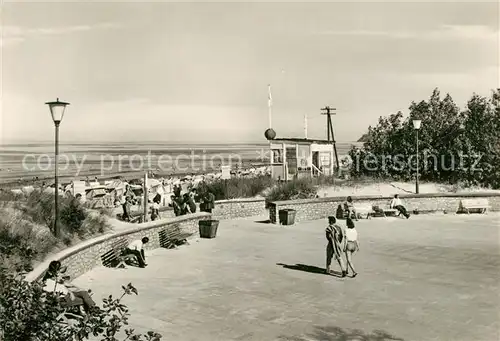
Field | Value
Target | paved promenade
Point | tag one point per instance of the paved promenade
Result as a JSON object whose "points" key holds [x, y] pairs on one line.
{"points": [[426, 278]]}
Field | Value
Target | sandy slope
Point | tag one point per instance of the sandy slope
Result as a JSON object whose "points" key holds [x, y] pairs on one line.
{"points": [[388, 189]]}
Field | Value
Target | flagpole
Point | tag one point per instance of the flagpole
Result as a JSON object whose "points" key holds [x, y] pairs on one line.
{"points": [[269, 104]]}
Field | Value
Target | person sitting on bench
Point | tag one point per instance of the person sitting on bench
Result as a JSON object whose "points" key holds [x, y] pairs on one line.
{"points": [[136, 248], [72, 293], [397, 204], [349, 207]]}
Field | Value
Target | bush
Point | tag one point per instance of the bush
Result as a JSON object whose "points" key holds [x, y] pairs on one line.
{"points": [[22, 240], [291, 190], [29, 313], [26, 224], [72, 216]]}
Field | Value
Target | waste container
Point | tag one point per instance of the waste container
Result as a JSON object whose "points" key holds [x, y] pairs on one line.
{"points": [[208, 228], [287, 216]]}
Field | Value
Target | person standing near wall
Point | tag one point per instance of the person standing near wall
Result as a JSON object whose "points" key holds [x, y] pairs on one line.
{"points": [[209, 202], [191, 200]]}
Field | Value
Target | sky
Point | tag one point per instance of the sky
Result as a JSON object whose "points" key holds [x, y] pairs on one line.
{"points": [[199, 72]]}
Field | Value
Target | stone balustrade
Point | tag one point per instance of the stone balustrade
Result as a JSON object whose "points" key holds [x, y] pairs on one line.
{"points": [[87, 255], [226, 209]]}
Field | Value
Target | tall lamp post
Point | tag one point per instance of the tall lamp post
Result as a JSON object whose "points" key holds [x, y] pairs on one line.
{"points": [[416, 126], [57, 109]]}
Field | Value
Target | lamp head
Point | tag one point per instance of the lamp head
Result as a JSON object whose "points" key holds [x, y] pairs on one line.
{"points": [[416, 124], [57, 109]]}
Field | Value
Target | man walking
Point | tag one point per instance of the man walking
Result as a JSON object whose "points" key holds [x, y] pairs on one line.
{"points": [[336, 237]]}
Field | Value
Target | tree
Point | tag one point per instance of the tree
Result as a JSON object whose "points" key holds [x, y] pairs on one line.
{"points": [[454, 145]]}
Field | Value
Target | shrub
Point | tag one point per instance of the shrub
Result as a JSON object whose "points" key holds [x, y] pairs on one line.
{"points": [[23, 240], [72, 216], [94, 223], [28, 222], [29, 313], [291, 190]]}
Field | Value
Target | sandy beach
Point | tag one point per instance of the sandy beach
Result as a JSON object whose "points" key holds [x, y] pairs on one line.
{"points": [[20, 163]]}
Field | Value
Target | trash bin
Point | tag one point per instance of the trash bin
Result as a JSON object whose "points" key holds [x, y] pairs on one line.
{"points": [[287, 216], [208, 228]]}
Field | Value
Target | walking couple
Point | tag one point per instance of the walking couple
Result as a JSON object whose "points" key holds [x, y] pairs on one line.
{"points": [[341, 241]]}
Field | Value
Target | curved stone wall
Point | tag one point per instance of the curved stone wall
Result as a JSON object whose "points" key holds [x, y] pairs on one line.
{"points": [[87, 255], [310, 209], [227, 209]]}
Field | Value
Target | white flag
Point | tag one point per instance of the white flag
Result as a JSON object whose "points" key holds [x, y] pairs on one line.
{"points": [[269, 98]]}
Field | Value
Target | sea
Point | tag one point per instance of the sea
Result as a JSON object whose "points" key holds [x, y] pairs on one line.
{"points": [[23, 162]]}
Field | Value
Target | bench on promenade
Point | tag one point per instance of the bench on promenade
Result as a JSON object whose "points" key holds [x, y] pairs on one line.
{"points": [[384, 211], [170, 238], [476, 204], [116, 257]]}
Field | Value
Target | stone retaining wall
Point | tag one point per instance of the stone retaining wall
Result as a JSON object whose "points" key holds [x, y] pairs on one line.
{"points": [[226, 209], [87, 255], [310, 209], [241, 208]]}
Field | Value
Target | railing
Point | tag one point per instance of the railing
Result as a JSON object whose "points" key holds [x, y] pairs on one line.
{"points": [[316, 170]]}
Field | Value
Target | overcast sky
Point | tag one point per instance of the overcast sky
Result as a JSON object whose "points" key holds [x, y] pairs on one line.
{"points": [[199, 71]]}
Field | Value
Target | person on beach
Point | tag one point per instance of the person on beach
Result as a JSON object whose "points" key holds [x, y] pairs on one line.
{"points": [[349, 207], [136, 248], [124, 201], [336, 238], [208, 202], [397, 204], [155, 210], [185, 208], [191, 200], [52, 283], [175, 205], [351, 245]]}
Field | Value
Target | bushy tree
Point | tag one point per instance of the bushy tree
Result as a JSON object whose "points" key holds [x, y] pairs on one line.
{"points": [[454, 145]]}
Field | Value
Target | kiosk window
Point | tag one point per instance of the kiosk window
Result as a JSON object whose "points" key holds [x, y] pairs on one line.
{"points": [[277, 156]]}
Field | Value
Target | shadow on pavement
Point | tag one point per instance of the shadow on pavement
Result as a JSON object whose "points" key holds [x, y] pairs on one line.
{"points": [[332, 333], [267, 221], [309, 268]]}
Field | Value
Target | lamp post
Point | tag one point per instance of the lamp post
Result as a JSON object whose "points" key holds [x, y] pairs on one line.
{"points": [[57, 109], [416, 126]]}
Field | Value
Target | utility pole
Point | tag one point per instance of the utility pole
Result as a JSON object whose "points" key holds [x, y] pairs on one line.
{"points": [[329, 128]]}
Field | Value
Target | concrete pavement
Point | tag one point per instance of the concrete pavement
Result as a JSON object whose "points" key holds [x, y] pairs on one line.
{"points": [[426, 278]]}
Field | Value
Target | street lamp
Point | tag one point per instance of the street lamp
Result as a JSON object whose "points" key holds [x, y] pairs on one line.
{"points": [[416, 126], [57, 109]]}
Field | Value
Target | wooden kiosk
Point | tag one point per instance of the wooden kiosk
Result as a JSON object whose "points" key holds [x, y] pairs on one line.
{"points": [[300, 157]]}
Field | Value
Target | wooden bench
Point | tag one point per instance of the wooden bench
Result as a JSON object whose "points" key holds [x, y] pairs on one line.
{"points": [[172, 237], [476, 204], [116, 257], [383, 211], [388, 211]]}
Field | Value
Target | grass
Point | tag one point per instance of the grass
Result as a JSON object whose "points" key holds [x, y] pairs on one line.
{"points": [[265, 186], [236, 187], [26, 224], [291, 190]]}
